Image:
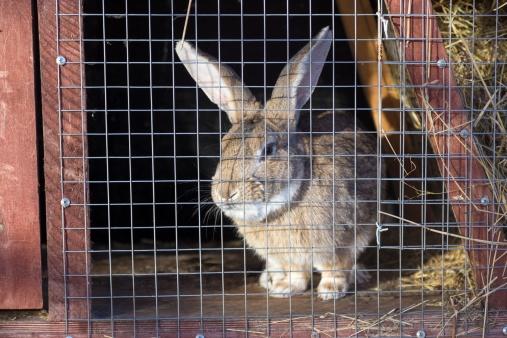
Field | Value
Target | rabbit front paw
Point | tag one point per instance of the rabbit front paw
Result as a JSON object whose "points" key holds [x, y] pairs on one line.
{"points": [[281, 284], [332, 287], [284, 287]]}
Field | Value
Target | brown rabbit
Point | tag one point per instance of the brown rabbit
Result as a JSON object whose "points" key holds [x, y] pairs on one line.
{"points": [[292, 192]]}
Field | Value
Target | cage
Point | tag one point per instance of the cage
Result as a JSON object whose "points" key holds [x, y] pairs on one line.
{"points": [[407, 173]]}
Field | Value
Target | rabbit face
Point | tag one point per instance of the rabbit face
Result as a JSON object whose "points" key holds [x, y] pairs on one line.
{"points": [[260, 171], [262, 162]]}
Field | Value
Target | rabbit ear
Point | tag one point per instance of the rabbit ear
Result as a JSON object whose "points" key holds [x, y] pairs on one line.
{"points": [[297, 80], [220, 83]]}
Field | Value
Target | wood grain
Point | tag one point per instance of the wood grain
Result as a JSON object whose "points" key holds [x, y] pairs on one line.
{"points": [[20, 246], [299, 326], [66, 294], [458, 158]]}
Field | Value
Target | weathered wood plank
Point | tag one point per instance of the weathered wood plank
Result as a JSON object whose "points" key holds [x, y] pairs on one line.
{"points": [[49, 90], [300, 326], [421, 43], [55, 103], [20, 245]]}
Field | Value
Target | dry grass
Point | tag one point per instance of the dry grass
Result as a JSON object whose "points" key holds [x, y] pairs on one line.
{"points": [[447, 272], [476, 41]]}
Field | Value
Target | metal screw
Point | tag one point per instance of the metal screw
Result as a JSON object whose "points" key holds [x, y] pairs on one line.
{"points": [[65, 202], [441, 63], [199, 336], [485, 200], [504, 330], [61, 60], [315, 334], [464, 133], [420, 334], [68, 337]]}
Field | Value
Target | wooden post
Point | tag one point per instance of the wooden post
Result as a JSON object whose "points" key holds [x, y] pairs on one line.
{"points": [[20, 246], [360, 24], [468, 188], [63, 103], [361, 31]]}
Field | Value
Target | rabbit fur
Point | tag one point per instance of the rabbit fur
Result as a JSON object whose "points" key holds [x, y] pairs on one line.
{"points": [[291, 192]]}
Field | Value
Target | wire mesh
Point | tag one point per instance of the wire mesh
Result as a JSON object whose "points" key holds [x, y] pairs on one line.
{"points": [[271, 216]]}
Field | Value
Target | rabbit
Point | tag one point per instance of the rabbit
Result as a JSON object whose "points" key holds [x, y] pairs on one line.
{"points": [[275, 177]]}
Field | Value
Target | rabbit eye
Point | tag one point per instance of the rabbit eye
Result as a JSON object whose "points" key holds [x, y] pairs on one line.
{"points": [[268, 150]]}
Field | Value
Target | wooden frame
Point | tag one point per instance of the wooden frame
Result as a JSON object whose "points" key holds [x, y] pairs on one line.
{"points": [[20, 245], [64, 135], [299, 327]]}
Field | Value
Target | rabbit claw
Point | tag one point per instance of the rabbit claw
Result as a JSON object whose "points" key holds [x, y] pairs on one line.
{"points": [[332, 288], [281, 284]]}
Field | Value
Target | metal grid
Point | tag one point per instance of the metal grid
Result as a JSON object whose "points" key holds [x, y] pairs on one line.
{"points": [[165, 261]]}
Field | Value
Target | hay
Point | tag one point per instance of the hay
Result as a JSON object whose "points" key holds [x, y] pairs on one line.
{"points": [[475, 40], [448, 273]]}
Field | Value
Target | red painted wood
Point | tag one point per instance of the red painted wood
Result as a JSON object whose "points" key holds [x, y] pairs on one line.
{"points": [[20, 246], [422, 46], [47, 50], [55, 105], [300, 326]]}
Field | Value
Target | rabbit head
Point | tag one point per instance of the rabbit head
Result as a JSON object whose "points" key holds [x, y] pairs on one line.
{"points": [[263, 160]]}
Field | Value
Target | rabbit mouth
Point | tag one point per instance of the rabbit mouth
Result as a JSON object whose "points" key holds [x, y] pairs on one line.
{"points": [[252, 211]]}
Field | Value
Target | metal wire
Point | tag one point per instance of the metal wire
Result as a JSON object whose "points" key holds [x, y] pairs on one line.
{"points": [[162, 252]]}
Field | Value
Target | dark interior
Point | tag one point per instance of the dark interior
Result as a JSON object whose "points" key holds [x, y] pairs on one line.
{"points": [[162, 122]]}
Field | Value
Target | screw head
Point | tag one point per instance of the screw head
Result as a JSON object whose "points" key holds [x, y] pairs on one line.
{"points": [[199, 336], [464, 133], [504, 330], [61, 60], [65, 202], [420, 334], [485, 200], [441, 63]]}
